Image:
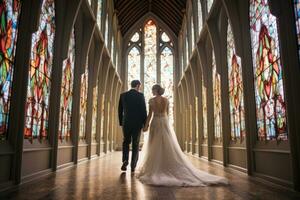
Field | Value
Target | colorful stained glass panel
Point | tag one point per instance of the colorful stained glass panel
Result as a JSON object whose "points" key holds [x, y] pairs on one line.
{"points": [[204, 107], [38, 89], [94, 114], [297, 19], [236, 92], [83, 103], [64, 130], [217, 100], [150, 58], [9, 13], [268, 77]]}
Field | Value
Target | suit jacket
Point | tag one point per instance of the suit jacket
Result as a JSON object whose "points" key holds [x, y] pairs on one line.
{"points": [[132, 109]]}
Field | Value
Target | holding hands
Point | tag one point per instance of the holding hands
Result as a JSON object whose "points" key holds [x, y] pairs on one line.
{"points": [[145, 128]]}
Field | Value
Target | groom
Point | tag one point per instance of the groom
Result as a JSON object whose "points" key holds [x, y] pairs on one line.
{"points": [[132, 117]]}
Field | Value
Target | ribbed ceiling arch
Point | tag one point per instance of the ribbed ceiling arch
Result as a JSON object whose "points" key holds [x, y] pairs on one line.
{"points": [[169, 11]]}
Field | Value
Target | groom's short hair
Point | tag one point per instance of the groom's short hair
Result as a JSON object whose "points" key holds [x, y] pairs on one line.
{"points": [[135, 83]]}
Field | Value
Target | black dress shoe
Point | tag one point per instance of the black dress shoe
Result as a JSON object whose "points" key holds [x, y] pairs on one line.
{"points": [[124, 166]]}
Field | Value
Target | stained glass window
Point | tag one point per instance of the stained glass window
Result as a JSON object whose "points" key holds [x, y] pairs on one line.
{"points": [[236, 93], [106, 30], [186, 51], [217, 100], [269, 92], [38, 89], [204, 107], [9, 12], [200, 22], [99, 13], [64, 130], [167, 80], [209, 4], [94, 114], [135, 37], [83, 102], [156, 44], [192, 33], [112, 50], [134, 65], [165, 37], [150, 58], [297, 18]]}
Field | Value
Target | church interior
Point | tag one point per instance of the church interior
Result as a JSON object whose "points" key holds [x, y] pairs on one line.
{"points": [[230, 69]]}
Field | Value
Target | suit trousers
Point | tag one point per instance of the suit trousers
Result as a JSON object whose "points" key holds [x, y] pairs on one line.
{"points": [[131, 134]]}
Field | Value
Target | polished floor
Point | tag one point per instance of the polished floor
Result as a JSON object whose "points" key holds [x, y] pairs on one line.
{"points": [[102, 179]]}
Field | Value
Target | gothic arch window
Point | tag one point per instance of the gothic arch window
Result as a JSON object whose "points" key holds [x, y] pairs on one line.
{"points": [[66, 100], [10, 12], [199, 13], [204, 109], [134, 65], [217, 100], [83, 101], [99, 13], [150, 58], [209, 5], [38, 89], [236, 92], [106, 35], [94, 112], [297, 19], [268, 77], [192, 33]]}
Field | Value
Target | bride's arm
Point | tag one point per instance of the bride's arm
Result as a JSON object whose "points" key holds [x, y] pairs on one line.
{"points": [[148, 118]]}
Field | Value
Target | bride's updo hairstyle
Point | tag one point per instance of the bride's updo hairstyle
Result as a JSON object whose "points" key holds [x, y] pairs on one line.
{"points": [[159, 90]]}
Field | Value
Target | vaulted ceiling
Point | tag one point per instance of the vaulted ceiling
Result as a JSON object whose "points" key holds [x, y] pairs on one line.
{"points": [[169, 11]]}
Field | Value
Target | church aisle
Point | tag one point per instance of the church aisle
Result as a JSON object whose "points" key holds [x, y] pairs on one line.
{"points": [[102, 179]]}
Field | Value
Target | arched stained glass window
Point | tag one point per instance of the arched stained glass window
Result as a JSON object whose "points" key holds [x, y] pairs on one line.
{"points": [[200, 21], [150, 58], [269, 88], [236, 92], [167, 72], [106, 30], [217, 100], [38, 90], [134, 65], [135, 37], [204, 107], [297, 19], [186, 51], [157, 63], [99, 13], [94, 113], [209, 4], [165, 37], [192, 33], [83, 102], [66, 99], [9, 12]]}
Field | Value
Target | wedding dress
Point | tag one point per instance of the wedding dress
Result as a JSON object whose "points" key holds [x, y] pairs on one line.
{"points": [[162, 162]]}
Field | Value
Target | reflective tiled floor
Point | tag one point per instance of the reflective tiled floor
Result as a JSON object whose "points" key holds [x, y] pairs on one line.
{"points": [[102, 179]]}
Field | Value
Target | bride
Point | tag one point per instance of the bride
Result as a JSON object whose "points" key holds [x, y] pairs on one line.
{"points": [[163, 163]]}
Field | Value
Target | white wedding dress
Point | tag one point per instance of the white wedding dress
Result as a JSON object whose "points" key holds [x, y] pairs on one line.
{"points": [[162, 161]]}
